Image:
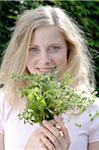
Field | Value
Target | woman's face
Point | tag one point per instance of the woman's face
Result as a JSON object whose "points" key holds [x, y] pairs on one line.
{"points": [[47, 52]]}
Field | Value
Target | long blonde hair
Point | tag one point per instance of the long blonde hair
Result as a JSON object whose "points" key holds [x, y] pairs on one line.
{"points": [[79, 62]]}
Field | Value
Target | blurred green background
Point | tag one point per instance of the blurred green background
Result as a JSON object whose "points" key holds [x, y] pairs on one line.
{"points": [[84, 12]]}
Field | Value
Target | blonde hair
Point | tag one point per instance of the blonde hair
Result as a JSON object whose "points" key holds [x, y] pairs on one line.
{"points": [[79, 64]]}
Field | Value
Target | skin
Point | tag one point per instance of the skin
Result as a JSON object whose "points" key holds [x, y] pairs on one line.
{"points": [[48, 137], [93, 146], [48, 51], [1, 142]]}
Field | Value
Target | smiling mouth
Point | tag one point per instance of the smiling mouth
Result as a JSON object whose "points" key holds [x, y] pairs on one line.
{"points": [[46, 70]]}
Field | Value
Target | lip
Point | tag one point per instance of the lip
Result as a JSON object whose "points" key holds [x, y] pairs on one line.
{"points": [[46, 70]]}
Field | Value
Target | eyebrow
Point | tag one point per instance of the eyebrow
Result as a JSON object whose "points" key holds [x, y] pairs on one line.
{"points": [[33, 46], [56, 43]]}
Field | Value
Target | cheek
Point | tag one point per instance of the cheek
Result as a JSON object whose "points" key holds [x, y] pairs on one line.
{"points": [[30, 62], [63, 63], [61, 60]]}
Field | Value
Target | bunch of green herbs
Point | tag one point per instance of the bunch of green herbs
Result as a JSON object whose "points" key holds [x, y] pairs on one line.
{"points": [[47, 97]]}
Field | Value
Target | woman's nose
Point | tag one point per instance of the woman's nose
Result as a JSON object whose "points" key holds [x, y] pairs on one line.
{"points": [[45, 58]]}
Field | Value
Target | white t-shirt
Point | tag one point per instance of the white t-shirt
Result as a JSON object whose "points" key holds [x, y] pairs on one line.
{"points": [[16, 133]]}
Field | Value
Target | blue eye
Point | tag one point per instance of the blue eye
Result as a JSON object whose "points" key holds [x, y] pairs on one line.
{"points": [[34, 49], [56, 47]]}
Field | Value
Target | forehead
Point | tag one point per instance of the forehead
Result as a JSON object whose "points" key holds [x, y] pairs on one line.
{"points": [[47, 34]]}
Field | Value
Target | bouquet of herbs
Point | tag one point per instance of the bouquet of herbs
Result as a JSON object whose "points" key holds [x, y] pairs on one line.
{"points": [[47, 97]]}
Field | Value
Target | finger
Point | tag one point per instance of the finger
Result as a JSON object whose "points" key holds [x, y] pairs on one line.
{"points": [[53, 130], [66, 140], [43, 146], [63, 128], [52, 122], [47, 143], [57, 125], [52, 138]]}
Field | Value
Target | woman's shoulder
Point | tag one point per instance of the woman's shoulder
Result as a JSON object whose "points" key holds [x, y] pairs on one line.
{"points": [[87, 117], [95, 106], [94, 111], [94, 122]]}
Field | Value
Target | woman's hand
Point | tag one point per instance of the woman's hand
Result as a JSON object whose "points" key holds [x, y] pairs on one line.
{"points": [[34, 142], [55, 138], [52, 135]]}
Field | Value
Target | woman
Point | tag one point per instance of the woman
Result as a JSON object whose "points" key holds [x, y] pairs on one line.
{"points": [[46, 39]]}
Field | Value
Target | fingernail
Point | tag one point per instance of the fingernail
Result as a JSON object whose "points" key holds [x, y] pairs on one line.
{"points": [[55, 116], [44, 121]]}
